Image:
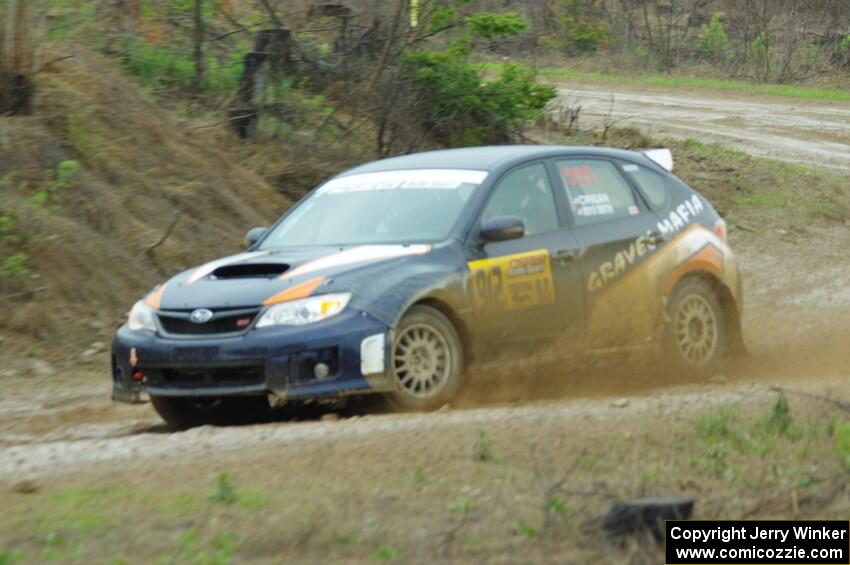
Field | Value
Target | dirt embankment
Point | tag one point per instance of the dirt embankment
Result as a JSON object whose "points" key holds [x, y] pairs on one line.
{"points": [[148, 198]]}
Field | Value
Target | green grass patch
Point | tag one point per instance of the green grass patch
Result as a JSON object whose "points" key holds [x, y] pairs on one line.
{"points": [[783, 90], [764, 199], [842, 443], [726, 440], [160, 70], [386, 553]]}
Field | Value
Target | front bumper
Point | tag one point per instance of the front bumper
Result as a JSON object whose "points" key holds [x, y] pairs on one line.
{"points": [[277, 360]]}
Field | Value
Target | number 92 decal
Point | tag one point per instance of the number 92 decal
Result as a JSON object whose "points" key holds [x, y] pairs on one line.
{"points": [[512, 282]]}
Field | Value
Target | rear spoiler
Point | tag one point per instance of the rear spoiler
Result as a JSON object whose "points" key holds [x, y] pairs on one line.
{"points": [[663, 157]]}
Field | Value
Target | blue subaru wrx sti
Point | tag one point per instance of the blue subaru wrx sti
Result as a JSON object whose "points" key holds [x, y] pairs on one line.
{"points": [[395, 276]]}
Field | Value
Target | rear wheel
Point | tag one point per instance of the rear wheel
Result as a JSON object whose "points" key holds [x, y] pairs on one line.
{"points": [[696, 333], [427, 360], [182, 413]]}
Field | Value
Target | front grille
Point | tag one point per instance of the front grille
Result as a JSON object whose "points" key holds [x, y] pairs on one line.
{"points": [[178, 322], [200, 377]]}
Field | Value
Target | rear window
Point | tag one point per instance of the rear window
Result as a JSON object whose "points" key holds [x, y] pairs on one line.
{"points": [[596, 191], [652, 184]]}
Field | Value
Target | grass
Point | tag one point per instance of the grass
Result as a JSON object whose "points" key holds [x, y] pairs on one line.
{"points": [[740, 456], [728, 442], [160, 69], [760, 192], [782, 90], [842, 443], [482, 449], [63, 525]]}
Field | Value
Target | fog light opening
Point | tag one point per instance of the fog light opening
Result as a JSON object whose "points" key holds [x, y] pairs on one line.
{"points": [[321, 371]]}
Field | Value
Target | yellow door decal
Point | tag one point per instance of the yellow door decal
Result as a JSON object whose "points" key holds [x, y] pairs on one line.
{"points": [[512, 282]]}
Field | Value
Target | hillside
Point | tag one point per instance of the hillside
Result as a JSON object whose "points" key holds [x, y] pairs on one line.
{"points": [[104, 194]]}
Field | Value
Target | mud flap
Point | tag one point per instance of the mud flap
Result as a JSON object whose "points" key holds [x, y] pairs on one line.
{"points": [[129, 395]]}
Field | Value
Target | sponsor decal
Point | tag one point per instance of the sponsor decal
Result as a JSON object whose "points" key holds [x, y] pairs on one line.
{"points": [[596, 204], [622, 262], [512, 282], [681, 216], [678, 219], [436, 179], [581, 175]]}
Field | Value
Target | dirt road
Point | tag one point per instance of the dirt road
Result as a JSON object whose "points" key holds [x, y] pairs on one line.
{"points": [[518, 477], [801, 131]]}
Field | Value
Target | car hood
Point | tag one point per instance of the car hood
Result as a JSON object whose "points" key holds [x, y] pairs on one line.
{"points": [[249, 279]]}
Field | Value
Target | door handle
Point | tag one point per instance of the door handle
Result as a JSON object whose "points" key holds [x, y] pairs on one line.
{"points": [[655, 238], [564, 256]]}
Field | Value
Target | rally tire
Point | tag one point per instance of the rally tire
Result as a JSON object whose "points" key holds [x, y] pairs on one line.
{"points": [[426, 361], [181, 413], [695, 332]]}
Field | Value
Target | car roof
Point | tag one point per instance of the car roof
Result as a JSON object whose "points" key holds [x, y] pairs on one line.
{"points": [[483, 158]]}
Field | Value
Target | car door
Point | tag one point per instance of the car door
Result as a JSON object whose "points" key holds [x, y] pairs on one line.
{"points": [[614, 229], [527, 287]]}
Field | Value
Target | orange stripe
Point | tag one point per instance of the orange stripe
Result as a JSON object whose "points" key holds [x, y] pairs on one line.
{"points": [[669, 247], [708, 259], [302, 290], [154, 299]]}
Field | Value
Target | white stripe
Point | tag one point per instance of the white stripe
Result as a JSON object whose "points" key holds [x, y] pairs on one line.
{"points": [[362, 254], [208, 268]]}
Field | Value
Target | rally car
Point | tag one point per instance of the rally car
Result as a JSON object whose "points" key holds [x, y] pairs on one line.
{"points": [[395, 276]]}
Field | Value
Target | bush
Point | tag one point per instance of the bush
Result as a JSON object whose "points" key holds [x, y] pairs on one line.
{"points": [[490, 25], [582, 36], [462, 109], [581, 31], [714, 44], [761, 57]]}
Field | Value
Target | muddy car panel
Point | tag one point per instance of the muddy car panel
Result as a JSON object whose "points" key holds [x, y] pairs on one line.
{"points": [[595, 266]]}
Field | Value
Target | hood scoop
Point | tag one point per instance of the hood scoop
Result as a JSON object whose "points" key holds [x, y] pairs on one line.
{"points": [[250, 270]]}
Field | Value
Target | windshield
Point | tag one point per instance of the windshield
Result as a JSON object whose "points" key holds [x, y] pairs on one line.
{"points": [[386, 207]]}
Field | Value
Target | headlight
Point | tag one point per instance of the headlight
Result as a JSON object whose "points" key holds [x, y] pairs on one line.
{"points": [[141, 318], [305, 311]]}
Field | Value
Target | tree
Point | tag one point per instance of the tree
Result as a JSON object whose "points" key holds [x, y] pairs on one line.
{"points": [[198, 41], [20, 35]]}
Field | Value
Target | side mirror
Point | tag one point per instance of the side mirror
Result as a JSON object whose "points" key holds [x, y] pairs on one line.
{"points": [[255, 234], [502, 228]]}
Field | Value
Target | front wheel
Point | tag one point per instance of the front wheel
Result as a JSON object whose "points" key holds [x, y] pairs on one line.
{"points": [[182, 413], [696, 333], [427, 360]]}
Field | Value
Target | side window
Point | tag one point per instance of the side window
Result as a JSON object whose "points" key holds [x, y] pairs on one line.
{"points": [[525, 193], [596, 191], [652, 184]]}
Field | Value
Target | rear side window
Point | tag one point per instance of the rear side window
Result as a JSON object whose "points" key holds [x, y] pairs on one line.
{"points": [[652, 184], [596, 191]]}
